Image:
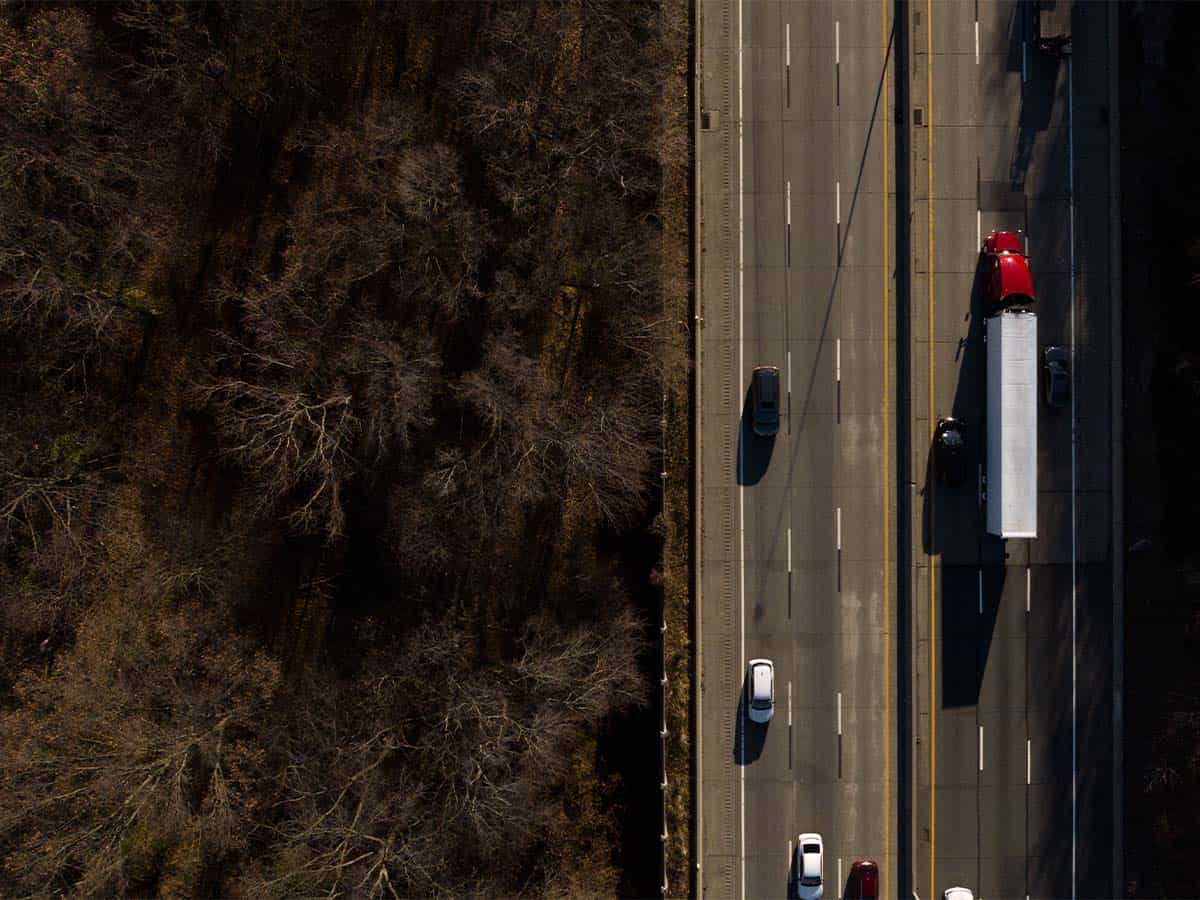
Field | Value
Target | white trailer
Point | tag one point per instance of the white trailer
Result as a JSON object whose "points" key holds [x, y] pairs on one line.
{"points": [[1012, 424]]}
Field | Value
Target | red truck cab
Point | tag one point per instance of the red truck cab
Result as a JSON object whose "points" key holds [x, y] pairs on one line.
{"points": [[1009, 282]]}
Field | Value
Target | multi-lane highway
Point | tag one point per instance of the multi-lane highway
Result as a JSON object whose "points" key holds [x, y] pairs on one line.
{"points": [[798, 556], [943, 699]]}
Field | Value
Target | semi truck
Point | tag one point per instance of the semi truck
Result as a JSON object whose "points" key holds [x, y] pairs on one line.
{"points": [[1052, 24], [1012, 387]]}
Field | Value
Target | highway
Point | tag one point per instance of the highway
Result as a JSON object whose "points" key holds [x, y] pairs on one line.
{"points": [[944, 699], [798, 559]]}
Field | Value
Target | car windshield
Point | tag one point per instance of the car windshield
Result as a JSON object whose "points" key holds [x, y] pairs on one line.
{"points": [[952, 437], [761, 703], [812, 881]]}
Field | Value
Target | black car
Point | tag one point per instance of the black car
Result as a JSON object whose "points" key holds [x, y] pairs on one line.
{"points": [[1057, 383], [764, 400], [950, 449]]}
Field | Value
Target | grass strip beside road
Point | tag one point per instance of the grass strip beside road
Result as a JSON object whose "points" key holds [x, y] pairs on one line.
{"points": [[675, 521]]}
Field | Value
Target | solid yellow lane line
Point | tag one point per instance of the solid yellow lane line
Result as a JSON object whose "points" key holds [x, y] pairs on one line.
{"points": [[931, 575]]}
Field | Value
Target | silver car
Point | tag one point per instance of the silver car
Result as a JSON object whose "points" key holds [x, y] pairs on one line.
{"points": [[958, 893], [760, 683], [810, 866]]}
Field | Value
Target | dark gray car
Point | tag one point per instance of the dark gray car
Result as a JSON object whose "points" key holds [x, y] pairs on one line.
{"points": [[764, 400], [1057, 383]]}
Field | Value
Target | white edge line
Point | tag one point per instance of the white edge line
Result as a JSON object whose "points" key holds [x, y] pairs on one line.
{"points": [[741, 480]]}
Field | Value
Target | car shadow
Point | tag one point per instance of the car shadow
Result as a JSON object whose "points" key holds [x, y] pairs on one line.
{"points": [[748, 737], [754, 451]]}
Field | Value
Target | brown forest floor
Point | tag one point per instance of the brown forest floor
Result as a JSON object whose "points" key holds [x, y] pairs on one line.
{"points": [[338, 340]]}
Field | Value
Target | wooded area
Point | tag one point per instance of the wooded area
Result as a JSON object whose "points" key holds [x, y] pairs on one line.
{"points": [[1160, 271], [335, 338]]}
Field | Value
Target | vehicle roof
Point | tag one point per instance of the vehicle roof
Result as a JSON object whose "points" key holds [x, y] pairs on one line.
{"points": [[761, 672], [1014, 275], [1004, 242], [958, 893], [768, 383]]}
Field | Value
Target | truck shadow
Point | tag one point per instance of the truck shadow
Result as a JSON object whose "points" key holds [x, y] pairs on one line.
{"points": [[953, 529]]}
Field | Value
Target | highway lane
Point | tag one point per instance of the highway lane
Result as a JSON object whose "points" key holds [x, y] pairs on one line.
{"points": [[1013, 664], [796, 535]]}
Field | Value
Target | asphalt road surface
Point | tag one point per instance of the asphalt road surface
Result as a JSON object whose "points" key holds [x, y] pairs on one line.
{"points": [[798, 540], [956, 728]]}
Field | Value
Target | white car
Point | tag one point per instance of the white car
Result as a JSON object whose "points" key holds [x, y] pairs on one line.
{"points": [[760, 682], [810, 853], [958, 893]]}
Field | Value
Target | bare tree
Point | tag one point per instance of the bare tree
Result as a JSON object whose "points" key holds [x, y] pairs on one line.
{"points": [[149, 737], [291, 442]]}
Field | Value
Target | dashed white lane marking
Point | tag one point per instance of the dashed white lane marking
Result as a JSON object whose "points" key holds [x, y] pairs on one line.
{"points": [[789, 374], [980, 748], [837, 41], [789, 704], [838, 364], [839, 708], [789, 542], [838, 190], [978, 228], [787, 43], [788, 198], [839, 528], [839, 881], [976, 42], [1028, 763], [1027, 590]]}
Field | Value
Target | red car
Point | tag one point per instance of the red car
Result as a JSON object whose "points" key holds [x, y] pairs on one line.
{"points": [[864, 881], [1008, 280]]}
